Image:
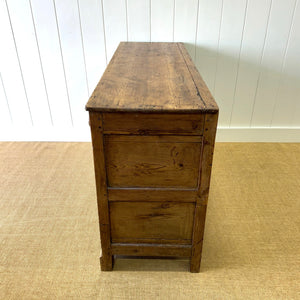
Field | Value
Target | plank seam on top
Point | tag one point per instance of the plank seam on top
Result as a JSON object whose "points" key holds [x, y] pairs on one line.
{"points": [[198, 93]]}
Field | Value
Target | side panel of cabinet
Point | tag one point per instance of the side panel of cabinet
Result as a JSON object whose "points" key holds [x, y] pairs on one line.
{"points": [[152, 161]]}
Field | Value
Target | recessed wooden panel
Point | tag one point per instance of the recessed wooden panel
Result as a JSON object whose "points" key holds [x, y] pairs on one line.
{"points": [[152, 161], [152, 124], [151, 220]]}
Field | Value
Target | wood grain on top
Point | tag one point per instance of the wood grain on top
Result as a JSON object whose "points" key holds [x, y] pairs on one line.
{"points": [[151, 77]]}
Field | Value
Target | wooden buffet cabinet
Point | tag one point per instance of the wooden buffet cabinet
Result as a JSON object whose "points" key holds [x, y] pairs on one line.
{"points": [[153, 123]]}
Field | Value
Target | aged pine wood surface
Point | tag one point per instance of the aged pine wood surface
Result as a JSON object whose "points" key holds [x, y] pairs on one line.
{"points": [[151, 250], [203, 190], [202, 89], [153, 124], [151, 220], [152, 194], [151, 77], [152, 161]]}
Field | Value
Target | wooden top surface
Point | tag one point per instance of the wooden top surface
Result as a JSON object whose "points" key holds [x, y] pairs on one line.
{"points": [[151, 77]]}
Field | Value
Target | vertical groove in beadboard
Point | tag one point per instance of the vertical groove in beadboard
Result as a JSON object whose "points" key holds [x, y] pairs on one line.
{"points": [[83, 51], [283, 61], [218, 49], [150, 18], [41, 64], [126, 12], [288, 44], [63, 64], [103, 24], [239, 60], [196, 33], [18, 58], [174, 4], [260, 63], [6, 99]]}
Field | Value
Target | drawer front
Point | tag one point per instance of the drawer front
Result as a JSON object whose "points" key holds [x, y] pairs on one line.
{"points": [[151, 222], [152, 161], [152, 124]]}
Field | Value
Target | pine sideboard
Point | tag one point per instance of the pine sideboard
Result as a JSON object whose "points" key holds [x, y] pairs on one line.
{"points": [[153, 124]]}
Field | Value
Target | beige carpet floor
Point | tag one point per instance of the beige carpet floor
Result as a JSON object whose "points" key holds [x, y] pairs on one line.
{"points": [[49, 236]]}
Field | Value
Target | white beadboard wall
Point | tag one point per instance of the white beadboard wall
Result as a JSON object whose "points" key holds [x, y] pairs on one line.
{"points": [[53, 53]]}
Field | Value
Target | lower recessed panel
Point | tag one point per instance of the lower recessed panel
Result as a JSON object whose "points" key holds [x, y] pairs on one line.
{"points": [[152, 222]]}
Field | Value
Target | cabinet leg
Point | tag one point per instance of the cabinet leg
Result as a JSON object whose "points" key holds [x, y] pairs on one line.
{"points": [[195, 261], [195, 264], [106, 262], [199, 222]]}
